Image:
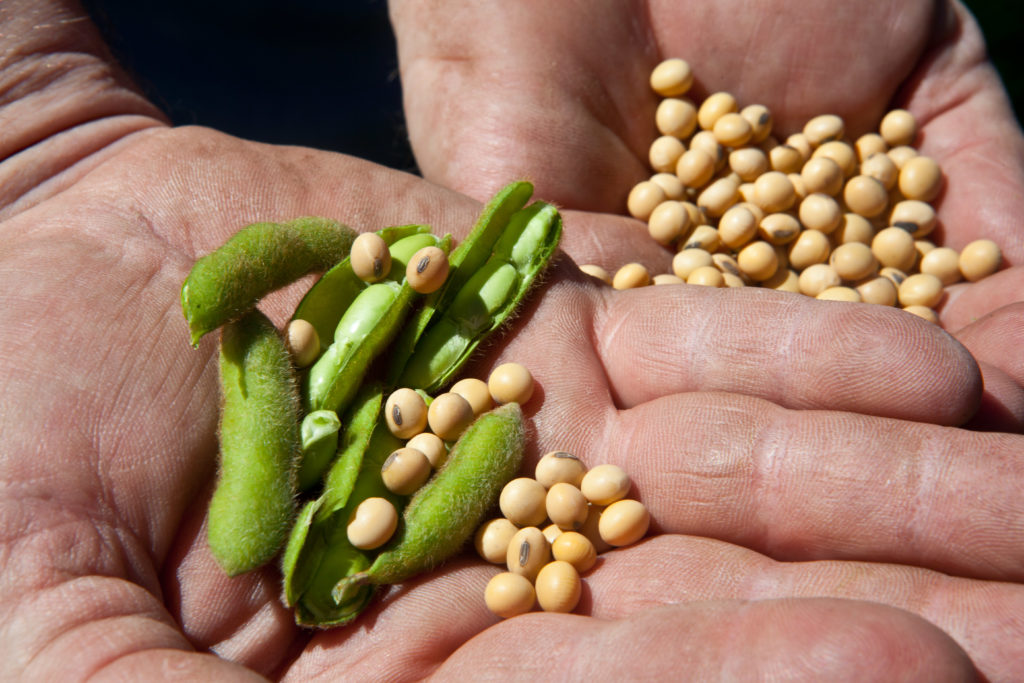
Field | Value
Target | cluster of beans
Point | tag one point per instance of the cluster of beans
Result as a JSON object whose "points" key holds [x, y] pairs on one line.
{"points": [[816, 213], [409, 414], [552, 530]]}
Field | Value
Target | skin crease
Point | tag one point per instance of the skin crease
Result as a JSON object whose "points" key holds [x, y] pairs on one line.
{"points": [[819, 514]]}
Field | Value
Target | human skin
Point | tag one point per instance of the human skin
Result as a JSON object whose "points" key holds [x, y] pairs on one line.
{"points": [[818, 515], [559, 93]]}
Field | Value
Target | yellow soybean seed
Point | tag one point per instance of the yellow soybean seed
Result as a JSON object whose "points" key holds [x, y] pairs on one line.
{"points": [[758, 260], [522, 501], [431, 446], [591, 528], [676, 116], [688, 260], [865, 195], [631, 276], [868, 145], [726, 264], [405, 470], [528, 552], [510, 382], [558, 587], [943, 263], [370, 257], [853, 228], [737, 226], [895, 275], [566, 506], [718, 196], [810, 247], [748, 163], [841, 153], [714, 107], [706, 276], [668, 222], [703, 237], [733, 280], [894, 247], [672, 77], [406, 413], [372, 523], [840, 294], [898, 127], [667, 279], [822, 174], [695, 168], [923, 247], [760, 119], [901, 154], [559, 467], [980, 259], [706, 141], [448, 416], [923, 312], [596, 271], [880, 167], [779, 228], [877, 290], [799, 189], [670, 183], [624, 522], [773, 192], [665, 152], [508, 595], [492, 539], [574, 548], [476, 392], [816, 278], [799, 142], [915, 216], [824, 128], [920, 289], [785, 159], [427, 270], [605, 484], [552, 532], [853, 261], [819, 211], [732, 130], [303, 342], [784, 280], [920, 178], [642, 199]]}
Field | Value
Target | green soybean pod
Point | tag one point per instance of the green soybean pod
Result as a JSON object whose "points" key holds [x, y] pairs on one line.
{"points": [[487, 299], [253, 503], [255, 261], [463, 262], [324, 303], [446, 511], [319, 444]]}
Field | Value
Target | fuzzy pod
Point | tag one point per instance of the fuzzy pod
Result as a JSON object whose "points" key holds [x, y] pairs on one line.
{"points": [[445, 513], [254, 500], [261, 257]]}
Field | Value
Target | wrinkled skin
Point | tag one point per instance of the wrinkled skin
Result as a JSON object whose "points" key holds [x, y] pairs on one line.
{"points": [[816, 514]]}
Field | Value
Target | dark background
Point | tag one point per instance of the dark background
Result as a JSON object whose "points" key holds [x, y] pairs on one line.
{"points": [[324, 73]]}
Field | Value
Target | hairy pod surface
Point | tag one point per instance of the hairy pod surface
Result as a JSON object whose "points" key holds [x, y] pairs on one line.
{"points": [[253, 503], [446, 512], [261, 257]]}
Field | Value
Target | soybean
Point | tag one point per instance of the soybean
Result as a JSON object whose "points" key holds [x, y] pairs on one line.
{"points": [[576, 549], [508, 595], [566, 506], [476, 392], [406, 413], [624, 522], [448, 416], [631, 276], [431, 446], [605, 484], [372, 524], [558, 587], [523, 501], [492, 539], [528, 552], [370, 257], [510, 383], [303, 342], [427, 270], [405, 471], [980, 259], [559, 466]]}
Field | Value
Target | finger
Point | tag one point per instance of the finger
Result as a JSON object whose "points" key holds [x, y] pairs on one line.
{"points": [[799, 485], [444, 629], [982, 617]]}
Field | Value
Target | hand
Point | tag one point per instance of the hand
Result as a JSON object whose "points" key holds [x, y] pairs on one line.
{"points": [[108, 429], [559, 93]]}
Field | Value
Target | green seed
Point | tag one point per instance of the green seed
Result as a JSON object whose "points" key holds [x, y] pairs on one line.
{"points": [[319, 444], [445, 512], [253, 503], [260, 258]]}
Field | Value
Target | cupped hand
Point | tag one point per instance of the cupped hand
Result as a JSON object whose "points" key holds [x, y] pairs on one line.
{"points": [[109, 435], [559, 93]]}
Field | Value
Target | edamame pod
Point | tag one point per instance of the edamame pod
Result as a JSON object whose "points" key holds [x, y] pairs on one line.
{"points": [[319, 444], [253, 503], [255, 261], [324, 303], [446, 511], [487, 299]]}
